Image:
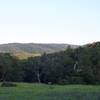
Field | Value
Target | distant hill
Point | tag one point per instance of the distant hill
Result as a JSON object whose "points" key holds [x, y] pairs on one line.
{"points": [[24, 50]]}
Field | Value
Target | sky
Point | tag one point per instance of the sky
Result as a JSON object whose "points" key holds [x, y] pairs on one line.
{"points": [[50, 21]]}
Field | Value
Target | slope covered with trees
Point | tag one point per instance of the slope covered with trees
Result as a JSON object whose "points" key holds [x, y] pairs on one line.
{"points": [[25, 50], [72, 66], [33, 47]]}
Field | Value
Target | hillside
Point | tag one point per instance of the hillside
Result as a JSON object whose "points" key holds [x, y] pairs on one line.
{"points": [[24, 50], [71, 66]]}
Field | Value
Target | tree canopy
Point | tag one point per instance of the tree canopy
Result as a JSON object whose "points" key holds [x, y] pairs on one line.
{"points": [[72, 66]]}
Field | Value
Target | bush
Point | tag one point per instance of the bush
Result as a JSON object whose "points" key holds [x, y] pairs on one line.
{"points": [[8, 84], [76, 80], [63, 82]]}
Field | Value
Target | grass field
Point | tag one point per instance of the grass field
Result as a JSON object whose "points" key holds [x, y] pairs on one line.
{"points": [[25, 55], [25, 91]]}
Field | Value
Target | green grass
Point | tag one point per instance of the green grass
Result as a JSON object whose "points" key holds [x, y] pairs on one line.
{"points": [[25, 55], [26, 91]]}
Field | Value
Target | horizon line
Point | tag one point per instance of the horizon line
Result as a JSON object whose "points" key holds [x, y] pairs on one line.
{"points": [[46, 43]]}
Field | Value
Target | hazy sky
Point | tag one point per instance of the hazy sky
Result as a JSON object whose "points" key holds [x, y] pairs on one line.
{"points": [[50, 21]]}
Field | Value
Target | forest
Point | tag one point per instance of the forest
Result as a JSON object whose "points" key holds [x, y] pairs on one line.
{"points": [[73, 66]]}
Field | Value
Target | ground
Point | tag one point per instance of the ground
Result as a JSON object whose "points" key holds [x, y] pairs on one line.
{"points": [[25, 91]]}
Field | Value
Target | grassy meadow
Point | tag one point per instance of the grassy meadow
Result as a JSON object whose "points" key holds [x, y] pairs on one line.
{"points": [[25, 91]]}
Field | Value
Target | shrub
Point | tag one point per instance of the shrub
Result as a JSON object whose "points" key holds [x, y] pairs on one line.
{"points": [[76, 80], [63, 82], [8, 84]]}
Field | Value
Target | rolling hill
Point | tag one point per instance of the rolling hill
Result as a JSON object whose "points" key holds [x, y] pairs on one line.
{"points": [[24, 50]]}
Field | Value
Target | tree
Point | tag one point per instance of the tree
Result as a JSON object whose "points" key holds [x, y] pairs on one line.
{"points": [[5, 65]]}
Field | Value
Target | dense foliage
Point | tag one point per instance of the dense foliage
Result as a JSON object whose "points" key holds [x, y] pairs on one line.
{"points": [[72, 66]]}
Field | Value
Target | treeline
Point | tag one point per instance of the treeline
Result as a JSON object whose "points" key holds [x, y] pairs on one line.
{"points": [[72, 66]]}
